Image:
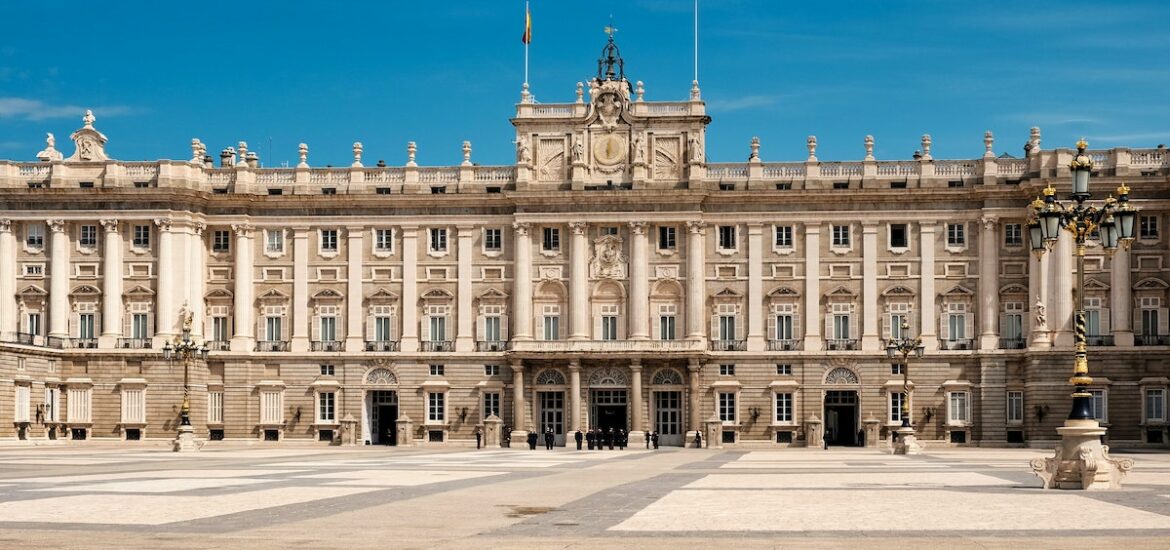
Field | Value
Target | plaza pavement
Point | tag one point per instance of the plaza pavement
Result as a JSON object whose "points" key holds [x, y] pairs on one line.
{"points": [[105, 496]]}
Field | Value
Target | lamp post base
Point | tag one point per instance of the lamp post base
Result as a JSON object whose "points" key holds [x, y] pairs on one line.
{"points": [[907, 443], [1081, 461], [185, 441]]}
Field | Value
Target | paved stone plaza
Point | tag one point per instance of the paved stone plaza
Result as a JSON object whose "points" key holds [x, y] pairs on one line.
{"points": [[57, 497]]}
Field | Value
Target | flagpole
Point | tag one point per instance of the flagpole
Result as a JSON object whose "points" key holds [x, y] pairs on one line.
{"points": [[526, 23], [696, 40]]}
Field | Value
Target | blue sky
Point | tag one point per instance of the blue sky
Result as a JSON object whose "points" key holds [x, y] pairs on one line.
{"points": [[276, 74]]}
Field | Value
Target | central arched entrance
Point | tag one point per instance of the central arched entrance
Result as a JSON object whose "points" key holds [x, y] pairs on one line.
{"points": [[842, 411], [380, 407], [609, 397]]}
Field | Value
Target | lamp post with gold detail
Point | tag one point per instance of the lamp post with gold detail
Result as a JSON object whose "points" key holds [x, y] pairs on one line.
{"points": [[186, 350], [905, 346]]}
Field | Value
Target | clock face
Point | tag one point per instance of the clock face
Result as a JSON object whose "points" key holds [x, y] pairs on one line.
{"points": [[609, 149]]}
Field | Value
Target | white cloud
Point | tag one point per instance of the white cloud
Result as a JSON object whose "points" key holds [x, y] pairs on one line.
{"points": [[19, 108], [741, 103]]}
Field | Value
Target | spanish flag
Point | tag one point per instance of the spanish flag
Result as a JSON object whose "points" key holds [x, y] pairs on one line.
{"points": [[527, 38]]}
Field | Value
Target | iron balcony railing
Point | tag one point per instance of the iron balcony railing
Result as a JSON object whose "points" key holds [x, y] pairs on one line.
{"points": [[491, 345], [325, 345], [438, 345], [381, 345], [272, 345], [1012, 343], [728, 345], [134, 343], [788, 344], [841, 344]]}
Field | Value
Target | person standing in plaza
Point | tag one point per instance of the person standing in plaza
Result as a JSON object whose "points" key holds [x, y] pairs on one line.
{"points": [[648, 434], [578, 436], [548, 438], [655, 439], [622, 439], [698, 440], [478, 438], [532, 441]]}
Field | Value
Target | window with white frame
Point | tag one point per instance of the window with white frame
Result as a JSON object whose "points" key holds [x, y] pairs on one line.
{"points": [[899, 313], [784, 408], [219, 326], [1015, 407], [436, 407], [437, 316], [899, 235], [328, 370], [551, 315], [727, 237], [1092, 316], [727, 370], [140, 325], [1011, 326], [215, 407], [326, 407], [1147, 227], [896, 400], [491, 404], [87, 321], [667, 237], [437, 370], [609, 322], [491, 370], [607, 230], [841, 314], [272, 406], [1150, 313], [87, 236], [221, 240], [32, 323], [784, 369], [274, 241], [956, 234], [1013, 234], [34, 235], [727, 321], [959, 408], [23, 403], [134, 405], [383, 325], [784, 317], [782, 236], [1155, 405], [897, 368], [840, 236], [79, 402], [727, 407], [956, 321], [384, 240], [141, 235], [492, 316], [551, 241], [52, 404], [273, 327], [1100, 400], [667, 315], [327, 320], [493, 239], [438, 239]]}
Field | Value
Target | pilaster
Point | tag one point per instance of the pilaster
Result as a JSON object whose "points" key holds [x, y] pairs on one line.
{"points": [[638, 428], [639, 283], [1121, 298], [409, 302], [989, 284], [694, 367], [522, 284], [166, 310], [59, 280], [301, 313], [812, 287], [755, 289], [1038, 298], [244, 329], [574, 395], [696, 282], [870, 339], [196, 282], [355, 297], [9, 322], [579, 281], [464, 335], [928, 316], [1061, 297], [519, 407]]}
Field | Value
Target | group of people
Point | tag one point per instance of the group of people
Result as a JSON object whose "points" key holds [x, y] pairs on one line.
{"points": [[601, 438]]}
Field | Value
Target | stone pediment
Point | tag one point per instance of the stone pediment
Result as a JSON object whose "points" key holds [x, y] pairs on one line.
{"points": [[493, 295], [784, 292], [1094, 284], [1151, 283], [327, 294], [139, 290], [841, 292], [382, 295], [273, 294], [219, 294], [959, 291], [437, 294], [32, 291], [727, 293], [899, 290], [86, 290], [1013, 289]]}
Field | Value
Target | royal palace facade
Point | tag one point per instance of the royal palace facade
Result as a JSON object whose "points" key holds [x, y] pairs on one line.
{"points": [[610, 277]]}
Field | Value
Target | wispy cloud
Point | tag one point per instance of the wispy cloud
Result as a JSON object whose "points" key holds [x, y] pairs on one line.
{"points": [[9, 145], [19, 108], [743, 102], [1050, 119], [1130, 138]]}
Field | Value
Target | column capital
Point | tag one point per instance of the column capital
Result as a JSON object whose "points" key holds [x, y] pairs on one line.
{"points": [[755, 228], [578, 228], [869, 227], [516, 364], [812, 228], [56, 226], [199, 227], [636, 365], [354, 230], [242, 229], [927, 226], [694, 364], [638, 228], [574, 364], [696, 226], [300, 231], [409, 231], [5, 226], [164, 224], [989, 222], [465, 231], [522, 228]]}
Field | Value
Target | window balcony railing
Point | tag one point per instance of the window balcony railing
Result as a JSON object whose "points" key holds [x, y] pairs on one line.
{"points": [[955, 344], [81, 343], [1100, 341], [272, 345], [381, 345], [841, 344], [1151, 340], [1012, 343], [728, 345], [438, 345], [784, 345], [56, 342], [325, 345], [26, 338], [219, 345], [492, 345], [133, 343]]}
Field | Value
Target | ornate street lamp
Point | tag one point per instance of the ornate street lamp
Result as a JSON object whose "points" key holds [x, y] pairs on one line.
{"points": [[1081, 461], [185, 350], [905, 346]]}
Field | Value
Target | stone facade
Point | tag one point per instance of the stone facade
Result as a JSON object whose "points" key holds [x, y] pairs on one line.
{"points": [[611, 277]]}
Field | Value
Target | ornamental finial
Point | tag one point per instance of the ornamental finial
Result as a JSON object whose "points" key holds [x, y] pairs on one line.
{"points": [[1122, 190], [1082, 144]]}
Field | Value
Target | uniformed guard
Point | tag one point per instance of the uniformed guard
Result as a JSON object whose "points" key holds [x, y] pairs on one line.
{"points": [[578, 436]]}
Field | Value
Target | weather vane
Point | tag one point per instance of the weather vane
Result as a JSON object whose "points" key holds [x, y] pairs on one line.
{"points": [[610, 29]]}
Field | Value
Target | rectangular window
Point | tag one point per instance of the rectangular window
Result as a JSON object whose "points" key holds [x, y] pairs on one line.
{"points": [[438, 239], [1092, 322], [896, 320], [666, 237], [436, 412], [491, 370], [437, 370], [840, 327], [896, 400], [1155, 405], [491, 328], [956, 234], [138, 328], [1149, 322], [1013, 234], [896, 368], [327, 370], [85, 326], [1015, 407], [899, 235], [438, 329], [1013, 326], [491, 404], [784, 369], [329, 240], [87, 236], [493, 240], [552, 329], [383, 240], [552, 239], [382, 329], [142, 236], [23, 403], [328, 329], [1100, 405], [34, 235], [34, 323], [783, 236], [727, 237], [666, 327], [326, 402], [608, 230], [727, 408], [726, 370], [1148, 227], [784, 326], [609, 327], [727, 327], [274, 241], [957, 410], [272, 329], [219, 329], [52, 404], [221, 241], [840, 235], [784, 408]]}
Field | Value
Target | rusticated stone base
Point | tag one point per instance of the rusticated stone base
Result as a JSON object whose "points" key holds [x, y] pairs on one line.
{"points": [[1081, 461]]}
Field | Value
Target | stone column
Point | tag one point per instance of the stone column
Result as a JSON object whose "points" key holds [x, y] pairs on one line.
{"points": [[111, 285], [301, 313], [639, 283], [9, 322], [927, 316], [519, 407], [244, 329], [58, 280], [694, 367], [579, 328], [755, 289], [1061, 303], [1121, 298], [989, 284], [637, 430], [409, 341], [355, 297], [870, 338], [464, 333], [696, 283], [812, 287], [1038, 298], [196, 254], [522, 284], [166, 310], [575, 394]]}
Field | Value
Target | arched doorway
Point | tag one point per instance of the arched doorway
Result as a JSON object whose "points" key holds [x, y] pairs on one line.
{"points": [[666, 388], [380, 407], [842, 407], [550, 388], [609, 399]]}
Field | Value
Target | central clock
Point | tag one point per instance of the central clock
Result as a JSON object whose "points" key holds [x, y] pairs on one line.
{"points": [[609, 149]]}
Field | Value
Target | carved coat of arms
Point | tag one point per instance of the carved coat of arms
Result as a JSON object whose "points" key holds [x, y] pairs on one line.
{"points": [[608, 260]]}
